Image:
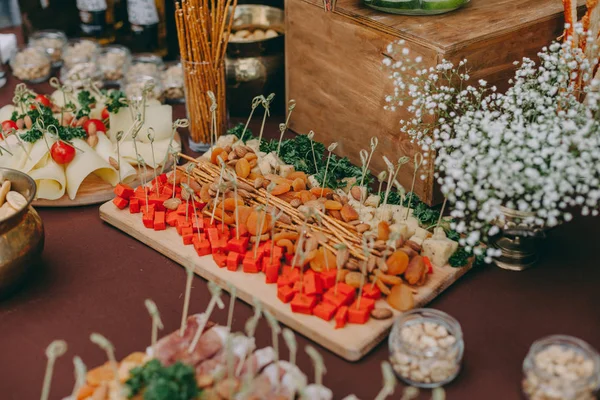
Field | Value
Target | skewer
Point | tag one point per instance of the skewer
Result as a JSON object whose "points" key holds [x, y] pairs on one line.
{"points": [[215, 300], [290, 341], [318, 364], [80, 376], [310, 136], [156, 321], [108, 347], [418, 159], [255, 103], [389, 381], [275, 330], [250, 328], [56, 349], [186, 302], [266, 102]]}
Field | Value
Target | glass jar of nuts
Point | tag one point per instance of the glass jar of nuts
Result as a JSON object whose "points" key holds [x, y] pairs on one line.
{"points": [[426, 347], [77, 51], [52, 42], [113, 61], [561, 367], [134, 87], [145, 65], [31, 65], [172, 81]]}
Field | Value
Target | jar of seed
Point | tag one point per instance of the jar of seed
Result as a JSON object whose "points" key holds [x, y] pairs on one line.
{"points": [[31, 65], [113, 61], [52, 42], [561, 367], [426, 348], [78, 51]]}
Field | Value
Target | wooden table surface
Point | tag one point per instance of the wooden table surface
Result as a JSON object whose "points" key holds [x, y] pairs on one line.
{"points": [[94, 278]]}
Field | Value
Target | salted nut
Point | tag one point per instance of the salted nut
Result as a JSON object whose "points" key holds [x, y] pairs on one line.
{"points": [[381, 313], [172, 204]]}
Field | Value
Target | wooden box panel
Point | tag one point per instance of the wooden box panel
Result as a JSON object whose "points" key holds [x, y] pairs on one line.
{"points": [[334, 69]]}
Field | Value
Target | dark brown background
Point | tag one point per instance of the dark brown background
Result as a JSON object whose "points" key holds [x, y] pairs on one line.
{"points": [[94, 278]]}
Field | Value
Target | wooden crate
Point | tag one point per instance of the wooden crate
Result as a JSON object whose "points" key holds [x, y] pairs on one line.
{"points": [[334, 65]]}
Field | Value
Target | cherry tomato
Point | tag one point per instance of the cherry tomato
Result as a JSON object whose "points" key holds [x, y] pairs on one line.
{"points": [[100, 127], [9, 125], [105, 114], [62, 152], [43, 100]]}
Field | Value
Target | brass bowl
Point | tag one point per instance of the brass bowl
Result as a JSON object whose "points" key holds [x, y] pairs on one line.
{"points": [[21, 235], [256, 67]]}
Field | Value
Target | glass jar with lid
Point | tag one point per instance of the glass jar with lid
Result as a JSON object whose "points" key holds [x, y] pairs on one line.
{"points": [[114, 61], [561, 367], [134, 86], [426, 347], [77, 51], [52, 41], [31, 65], [173, 83], [145, 64]]}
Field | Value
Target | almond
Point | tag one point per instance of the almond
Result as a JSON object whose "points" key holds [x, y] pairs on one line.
{"points": [[356, 192], [113, 163], [381, 313], [92, 130], [92, 141], [360, 228], [240, 151], [20, 123], [82, 121], [28, 122], [295, 203], [172, 204]]}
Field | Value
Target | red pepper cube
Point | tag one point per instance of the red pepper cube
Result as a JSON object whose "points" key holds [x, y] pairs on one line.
{"points": [[167, 191], [365, 304], [266, 261], [312, 284], [182, 224], [251, 265], [159, 221], [207, 223], [134, 205], [197, 223], [286, 293], [346, 289], [188, 235], [124, 191], [223, 231], [220, 259], [213, 235], [371, 291], [243, 231], [234, 260], [289, 258], [277, 252], [341, 317], [292, 273], [303, 304], [120, 202], [172, 218], [339, 299], [140, 192], [284, 280], [148, 217], [360, 316], [271, 271], [238, 245], [328, 278], [184, 208], [202, 247], [162, 178], [324, 310], [220, 246]]}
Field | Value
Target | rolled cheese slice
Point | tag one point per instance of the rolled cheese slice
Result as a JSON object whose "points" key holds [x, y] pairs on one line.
{"points": [[87, 162], [106, 149], [6, 112], [38, 153], [17, 159], [145, 151], [50, 179], [158, 117]]}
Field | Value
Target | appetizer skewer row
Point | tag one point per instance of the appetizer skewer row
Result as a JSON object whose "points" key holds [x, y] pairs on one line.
{"points": [[62, 139]]}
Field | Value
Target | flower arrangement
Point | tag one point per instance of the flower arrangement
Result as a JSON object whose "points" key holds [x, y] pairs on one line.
{"points": [[535, 148]]}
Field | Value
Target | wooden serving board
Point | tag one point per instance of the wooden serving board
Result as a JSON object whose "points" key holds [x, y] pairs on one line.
{"points": [[351, 342], [94, 190]]}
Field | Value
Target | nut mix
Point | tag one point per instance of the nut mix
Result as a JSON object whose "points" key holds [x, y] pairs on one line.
{"points": [[561, 367], [113, 62], [31, 64], [145, 65], [426, 348], [52, 42], [133, 88], [78, 75], [172, 79]]}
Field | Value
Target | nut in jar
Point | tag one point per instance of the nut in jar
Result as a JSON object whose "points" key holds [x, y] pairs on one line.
{"points": [[172, 80], [52, 42], [114, 61], [426, 348], [561, 367], [31, 65]]}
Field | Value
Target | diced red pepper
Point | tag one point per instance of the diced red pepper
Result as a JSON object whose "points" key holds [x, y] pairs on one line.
{"points": [[134, 205], [312, 284], [188, 235], [365, 304], [181, 210], [341, 317], [162, 178], [197, 224], [286, 293], [223, 231], [360, 316], [277, 252], [220, 259], [172, 218], [159, 221], [124, 191], [220, 246], [289, 258], [120, 202], [266, 261], [202, 247], [148, 217], [234, 260], [207, 223], [371, 291], [428, 264], [328, 278], [167, 191], [271, 271], [324, 310], [345, 288], [238, 245], [243, 231], [251, 265], [213, 234], [284, 280], [339, 299], [181, 224], [303, 304]]}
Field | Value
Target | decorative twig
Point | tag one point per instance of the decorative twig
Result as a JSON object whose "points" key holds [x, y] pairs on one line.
{"points": [[255, 103], [56, 349]]}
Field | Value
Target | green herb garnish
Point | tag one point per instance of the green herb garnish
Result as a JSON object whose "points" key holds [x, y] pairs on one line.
{"points": [[114, 101], [14, 116], [68, 133], [32, 136], [156, 382], [86, 101]]}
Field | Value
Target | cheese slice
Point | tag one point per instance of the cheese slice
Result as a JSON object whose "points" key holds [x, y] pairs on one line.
{"points": [[87, 162], [17, 159], [50, 179], [158, 117], [106, 149], [439, 251], [161, 148], [38, 153], [6, 112]]}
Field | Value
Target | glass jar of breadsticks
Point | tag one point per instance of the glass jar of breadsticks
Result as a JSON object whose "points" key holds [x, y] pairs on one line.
{"points": [[561, 367]]}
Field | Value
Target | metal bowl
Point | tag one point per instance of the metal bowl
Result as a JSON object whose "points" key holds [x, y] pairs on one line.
{"points": [[256, 67], [21, 235]]}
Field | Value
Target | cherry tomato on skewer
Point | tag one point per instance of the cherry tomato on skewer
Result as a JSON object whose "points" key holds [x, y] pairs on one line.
{"points": [[105, 114], [62, 153], [43, 100], [7, 127], [100, 127]]}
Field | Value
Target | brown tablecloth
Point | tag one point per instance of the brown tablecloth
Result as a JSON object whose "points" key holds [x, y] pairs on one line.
{"points": [[94, 278]]}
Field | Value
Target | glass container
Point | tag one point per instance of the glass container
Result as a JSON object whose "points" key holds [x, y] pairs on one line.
{"points": [[416, 7], [52, 42], [133, 87], [561, 367], [31, 65], [173, 83], [77, 51], [426, 347], [114, 61], [145, 65]]}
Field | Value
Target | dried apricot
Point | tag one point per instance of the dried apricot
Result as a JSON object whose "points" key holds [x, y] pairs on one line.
{"points": [[243, 214], [287, 197], [298, 184], [305, 196], [242, 168], [321, 192], [280, 189], [401, 298], [230, 204], [348, 213], [323, 260], [353, 279], [298, 174], [85, 392], [416, 273], [333, 205], [226, 218], [397, 263], [100, 374], [257, 218], [253, 176], [215, 153], [335, 214], [383, 231], [250, 156], [204, 194], [293, 236], [136, 357]]}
